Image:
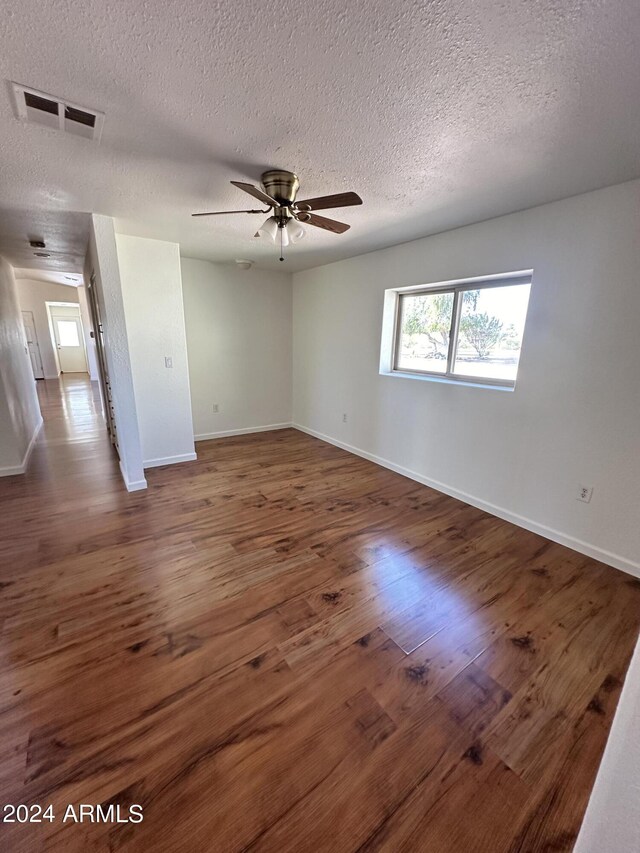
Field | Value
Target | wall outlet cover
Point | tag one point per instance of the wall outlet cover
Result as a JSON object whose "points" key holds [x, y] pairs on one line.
{"points": [[584, 493]]}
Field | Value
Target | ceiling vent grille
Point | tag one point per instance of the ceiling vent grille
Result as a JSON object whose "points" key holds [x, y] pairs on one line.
{"points": [[37, 107]]}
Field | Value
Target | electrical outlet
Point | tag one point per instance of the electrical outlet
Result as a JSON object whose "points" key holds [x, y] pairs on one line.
{"points": [[216, 408], [584, 493], [168, 361], [344, 418]]}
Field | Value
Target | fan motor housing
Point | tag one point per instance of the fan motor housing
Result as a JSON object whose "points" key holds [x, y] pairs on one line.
{"points": [[281, 185]]}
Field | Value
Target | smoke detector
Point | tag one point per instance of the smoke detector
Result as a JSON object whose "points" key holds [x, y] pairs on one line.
{"points": [[35, 107], [243, 264]]}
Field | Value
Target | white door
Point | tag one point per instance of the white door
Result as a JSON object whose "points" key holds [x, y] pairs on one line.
{"points": [[32, 344], [68, 335]]}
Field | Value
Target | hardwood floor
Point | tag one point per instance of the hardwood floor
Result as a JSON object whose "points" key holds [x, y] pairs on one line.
{"points": [[283, 647]]}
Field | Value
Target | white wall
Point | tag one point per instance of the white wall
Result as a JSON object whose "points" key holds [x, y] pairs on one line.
{"points": [[239, 340], [152, 294], [612, 821], [574, 417], [20, 417], [102, 259], [32, 296]]}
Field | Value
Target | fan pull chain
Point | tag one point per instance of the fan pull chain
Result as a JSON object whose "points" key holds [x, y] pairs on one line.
{"points": [[281, 252]]}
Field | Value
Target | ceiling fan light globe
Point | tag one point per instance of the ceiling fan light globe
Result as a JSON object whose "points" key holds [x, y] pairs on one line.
{"points": [[269, 229], [296, 231], [285, 236]]}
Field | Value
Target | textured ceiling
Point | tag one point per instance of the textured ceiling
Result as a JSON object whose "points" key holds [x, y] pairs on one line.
{"points": [[438, 113], [51, 276], [65, 235]]}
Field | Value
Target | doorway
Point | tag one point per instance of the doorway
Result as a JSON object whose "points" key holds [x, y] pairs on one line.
{"points": [[32, 344], [98, 336], [68, 338]]}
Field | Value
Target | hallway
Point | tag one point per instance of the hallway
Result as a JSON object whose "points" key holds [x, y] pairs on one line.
{"points": [[71, 409], [73, 473], [284, 647]]}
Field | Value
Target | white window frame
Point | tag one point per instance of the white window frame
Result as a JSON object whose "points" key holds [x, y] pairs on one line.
{"points": [[456, 288]]}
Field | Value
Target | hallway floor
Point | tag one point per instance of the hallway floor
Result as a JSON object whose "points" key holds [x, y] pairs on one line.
{"points": [[72, 410], [73, 474], [283, 647]]}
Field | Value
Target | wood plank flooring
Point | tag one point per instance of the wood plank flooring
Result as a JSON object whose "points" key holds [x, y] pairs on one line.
{"points": [[283, 647]]}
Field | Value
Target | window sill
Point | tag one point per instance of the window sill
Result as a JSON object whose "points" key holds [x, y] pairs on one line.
{"points": [[446, 380]]}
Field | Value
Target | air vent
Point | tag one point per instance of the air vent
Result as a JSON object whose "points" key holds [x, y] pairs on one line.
{"points": [[39, 108], [80, 116], [38, 103]]}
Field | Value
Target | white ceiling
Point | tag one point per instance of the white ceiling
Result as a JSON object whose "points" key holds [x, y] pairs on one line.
{"points": [[64, 233], [50, 276], [438, 113]]}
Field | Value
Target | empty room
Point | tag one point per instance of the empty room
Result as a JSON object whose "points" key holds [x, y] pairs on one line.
{"points": [[320, 427]]}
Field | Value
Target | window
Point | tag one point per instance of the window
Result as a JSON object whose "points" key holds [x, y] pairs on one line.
{"points": [[68, 333], [469, 331]]}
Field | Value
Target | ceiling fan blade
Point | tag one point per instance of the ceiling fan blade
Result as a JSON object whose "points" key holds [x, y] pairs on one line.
{"points": [[225, 212], [256, 193], [324, 202], [322, 222]]}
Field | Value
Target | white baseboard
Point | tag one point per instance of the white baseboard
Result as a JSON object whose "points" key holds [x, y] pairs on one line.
{"points": [[205, 436], [169, 460], [10, 470], [22, 467], [136, 485], [132, 485], [558, 536]]}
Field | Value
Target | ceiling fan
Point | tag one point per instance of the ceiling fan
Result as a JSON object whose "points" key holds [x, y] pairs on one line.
{"points": [[287, 214]]}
